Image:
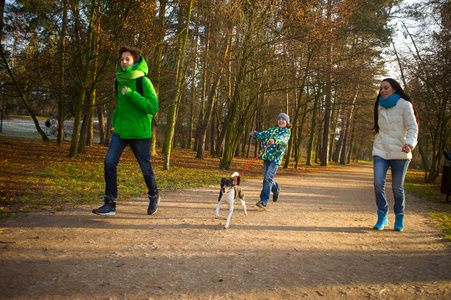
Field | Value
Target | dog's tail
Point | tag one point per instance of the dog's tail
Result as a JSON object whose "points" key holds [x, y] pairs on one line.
{"points": [[238, 179]]}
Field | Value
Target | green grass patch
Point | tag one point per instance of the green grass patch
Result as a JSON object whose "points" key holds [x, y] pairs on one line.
{"points": [[79, 183], [40, 176], [439, 210]]}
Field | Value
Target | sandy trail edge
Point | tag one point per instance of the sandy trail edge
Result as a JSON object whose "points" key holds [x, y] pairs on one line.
{"points": [[316, 242]]}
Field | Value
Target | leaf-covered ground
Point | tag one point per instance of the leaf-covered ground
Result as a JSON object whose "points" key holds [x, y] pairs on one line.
{"points": [[40, 175]]}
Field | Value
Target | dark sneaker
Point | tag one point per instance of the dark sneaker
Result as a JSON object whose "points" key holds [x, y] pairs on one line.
{"points": [[275, 197], [261, 204], [108, 209], [154, 201]]}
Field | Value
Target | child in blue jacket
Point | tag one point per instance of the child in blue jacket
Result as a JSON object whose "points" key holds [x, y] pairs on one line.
{"points": [[277, 138]]}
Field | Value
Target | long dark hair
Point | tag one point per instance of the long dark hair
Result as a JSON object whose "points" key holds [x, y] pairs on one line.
{"points": [[398, 90]]}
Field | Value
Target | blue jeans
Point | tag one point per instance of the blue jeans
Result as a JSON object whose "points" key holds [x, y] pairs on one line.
{"points": [[398, 171], [269, 184], [141, 149]]}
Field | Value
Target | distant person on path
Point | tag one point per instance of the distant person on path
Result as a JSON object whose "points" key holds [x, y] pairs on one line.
{"points": [[396, 136], [277, 138], [54, 127], [132, 126], [47, 127]]}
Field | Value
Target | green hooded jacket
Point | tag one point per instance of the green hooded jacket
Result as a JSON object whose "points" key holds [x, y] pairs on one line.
{"points": [[132, 117]]}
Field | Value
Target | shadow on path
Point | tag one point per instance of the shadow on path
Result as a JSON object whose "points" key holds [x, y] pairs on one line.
{"points": [[316, 241]]}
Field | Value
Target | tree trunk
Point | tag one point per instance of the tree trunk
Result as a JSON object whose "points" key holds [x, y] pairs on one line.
{"points": [[312, 130], [339, 144], [84, 78], [170, 129], [91, 108], [62, 91], [351, 145], [101, 118], [213, 129], [299, 146], [328, 99], [349, 121], [298, 110], [318, 145], [157, 73], [203, 125], [230, 144], [108, 128], [334, 120], [193, 91], [2, 11], [198, 143], [235, 128], [84, 127], [249, 143], [324, 154]]}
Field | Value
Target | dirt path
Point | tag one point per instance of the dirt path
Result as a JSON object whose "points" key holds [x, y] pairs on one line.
{"points": [[316, 242]]}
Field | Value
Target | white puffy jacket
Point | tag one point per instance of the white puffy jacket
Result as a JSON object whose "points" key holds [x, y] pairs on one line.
{"points": [[397, 126]]}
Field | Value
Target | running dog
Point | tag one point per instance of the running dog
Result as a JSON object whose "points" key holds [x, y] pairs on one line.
{"points": [[230, 192]]}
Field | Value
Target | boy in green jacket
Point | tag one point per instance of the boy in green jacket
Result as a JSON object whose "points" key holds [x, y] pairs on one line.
{"points": [[131, 124]]}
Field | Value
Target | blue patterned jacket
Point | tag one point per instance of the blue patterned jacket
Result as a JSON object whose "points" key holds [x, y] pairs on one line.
{"points": [[274, 153]]}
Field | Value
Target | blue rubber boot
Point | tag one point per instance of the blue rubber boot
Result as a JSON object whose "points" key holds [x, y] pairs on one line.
{"points": [[382, 220], [399, 222]]}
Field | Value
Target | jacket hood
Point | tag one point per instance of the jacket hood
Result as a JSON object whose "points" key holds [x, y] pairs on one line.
{"points": [[141, 65]]}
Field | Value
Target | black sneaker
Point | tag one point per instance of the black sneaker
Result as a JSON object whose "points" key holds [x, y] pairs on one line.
{"points": [[261, 204], [108, 209], [275, 197], [153, 204]]}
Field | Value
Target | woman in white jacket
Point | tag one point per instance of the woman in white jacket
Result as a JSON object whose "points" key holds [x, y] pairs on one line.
{"points": [[396, 130]]}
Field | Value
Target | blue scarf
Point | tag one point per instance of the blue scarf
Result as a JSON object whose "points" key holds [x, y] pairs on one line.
{"points": [[390, 101]]}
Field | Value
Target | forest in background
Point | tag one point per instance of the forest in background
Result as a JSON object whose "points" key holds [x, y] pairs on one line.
{"points": [[222, 68]]}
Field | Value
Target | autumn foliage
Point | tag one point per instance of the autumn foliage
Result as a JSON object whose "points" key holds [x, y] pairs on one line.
{"points": [[39, 175]]}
